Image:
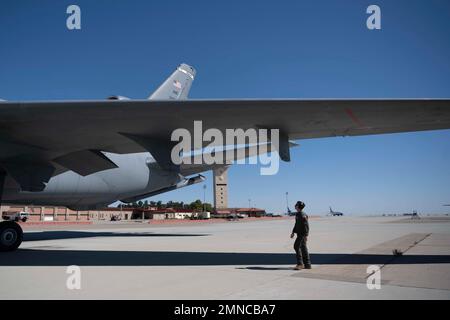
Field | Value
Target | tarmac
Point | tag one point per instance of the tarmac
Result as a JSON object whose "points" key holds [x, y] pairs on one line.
{"points": [[232, 260]]}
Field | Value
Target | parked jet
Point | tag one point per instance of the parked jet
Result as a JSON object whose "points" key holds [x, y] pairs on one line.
{"points": [[335, 213], [88, 154]]}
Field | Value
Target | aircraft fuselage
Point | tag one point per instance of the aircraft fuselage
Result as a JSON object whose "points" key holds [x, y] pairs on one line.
{"points": [[135, 175]]}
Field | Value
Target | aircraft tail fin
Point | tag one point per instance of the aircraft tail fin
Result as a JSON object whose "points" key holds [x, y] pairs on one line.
{"points": [[331, 210], [177, 86]]}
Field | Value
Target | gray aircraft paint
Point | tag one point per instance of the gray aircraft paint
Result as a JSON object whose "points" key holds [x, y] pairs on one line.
{"points": [[177, 86], [136, 174]]}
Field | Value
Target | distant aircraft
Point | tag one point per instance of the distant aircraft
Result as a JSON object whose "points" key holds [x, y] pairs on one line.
{"points": [[335, 213], [88, 154]]}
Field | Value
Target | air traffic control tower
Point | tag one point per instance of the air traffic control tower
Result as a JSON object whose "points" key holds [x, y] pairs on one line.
{"points": [[220, 188]]}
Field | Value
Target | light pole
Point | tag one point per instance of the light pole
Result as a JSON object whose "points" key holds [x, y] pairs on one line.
{"points": [[287, 202], [249, 201], [204, 197]]}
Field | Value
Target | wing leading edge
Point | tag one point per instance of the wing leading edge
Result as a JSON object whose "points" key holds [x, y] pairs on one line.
{"points": [[103, 125]]}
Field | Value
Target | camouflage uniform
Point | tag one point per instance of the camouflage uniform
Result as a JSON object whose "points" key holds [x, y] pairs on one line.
{"points": [[301, 228]]}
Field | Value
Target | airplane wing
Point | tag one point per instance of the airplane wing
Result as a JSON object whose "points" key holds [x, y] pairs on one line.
{"points": [[37, 138], [195, 164]]}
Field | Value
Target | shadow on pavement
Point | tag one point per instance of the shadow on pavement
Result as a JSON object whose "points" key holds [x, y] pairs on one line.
{"points": [[266, 268], [55, 235], [32, 257]]}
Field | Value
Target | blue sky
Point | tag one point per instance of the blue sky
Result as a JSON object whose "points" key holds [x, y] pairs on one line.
{"points": [[257, 49]]}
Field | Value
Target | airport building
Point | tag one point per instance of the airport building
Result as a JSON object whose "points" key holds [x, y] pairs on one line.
{"points": [[52, 213], [63, 214], [245, 212], [169, 213]]}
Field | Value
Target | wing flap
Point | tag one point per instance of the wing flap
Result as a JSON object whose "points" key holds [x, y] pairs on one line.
{"points": [[160, 149], [85, 162], [196, 165]]}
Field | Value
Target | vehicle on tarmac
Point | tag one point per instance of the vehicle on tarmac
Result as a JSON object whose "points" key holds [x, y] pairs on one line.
{"points": [[272, 215], [235, 216], [16, 216], [115, 218], [201, 215]]}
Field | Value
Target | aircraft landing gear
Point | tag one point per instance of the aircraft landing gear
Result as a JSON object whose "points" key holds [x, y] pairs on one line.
{"points": [[11, 236]]}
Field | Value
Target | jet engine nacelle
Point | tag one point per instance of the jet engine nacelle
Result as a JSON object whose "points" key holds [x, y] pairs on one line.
{"points": [[118, 98]]}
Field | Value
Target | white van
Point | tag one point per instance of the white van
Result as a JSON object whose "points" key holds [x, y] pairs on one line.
{"points": [[16, 216]]}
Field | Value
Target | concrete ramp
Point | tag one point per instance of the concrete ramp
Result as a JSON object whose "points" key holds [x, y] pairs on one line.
{"points": [[424, 263]]}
